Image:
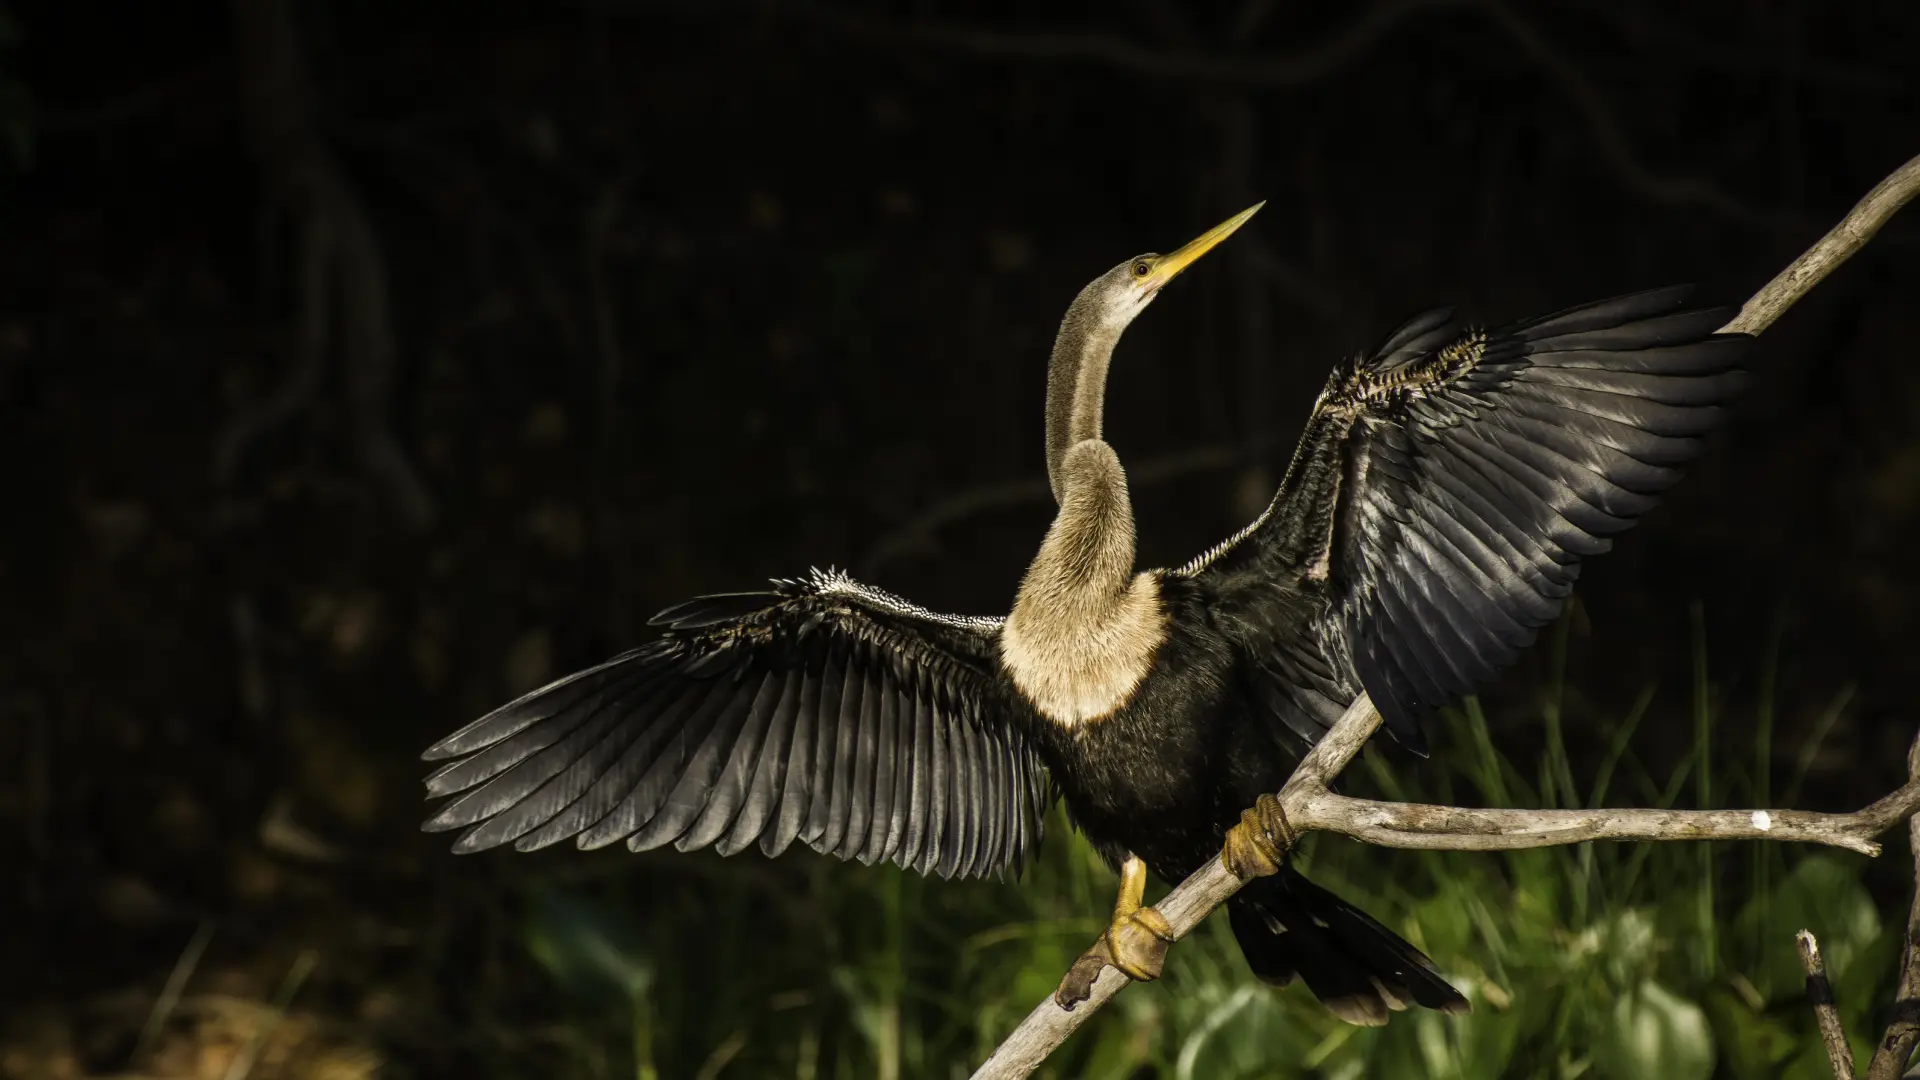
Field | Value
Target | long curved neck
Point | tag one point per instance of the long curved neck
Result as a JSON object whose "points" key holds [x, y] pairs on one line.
{"points": [[1087, 556], [1084, 626], [1076, 386]]}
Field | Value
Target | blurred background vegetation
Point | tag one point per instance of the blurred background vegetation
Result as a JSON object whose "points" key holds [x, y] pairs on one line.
{"points": [[363, 364]]}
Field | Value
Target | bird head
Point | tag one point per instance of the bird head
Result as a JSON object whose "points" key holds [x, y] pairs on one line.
{"points": [[1116, 297]]}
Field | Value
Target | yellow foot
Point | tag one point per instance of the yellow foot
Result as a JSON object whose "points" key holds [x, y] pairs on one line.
{"points": [[1259, 844], [1135, 941], [1136, 944]]}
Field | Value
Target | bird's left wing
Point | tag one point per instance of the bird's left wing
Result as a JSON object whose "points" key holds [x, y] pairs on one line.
{"points": [[824, 711], [1446, 490]]}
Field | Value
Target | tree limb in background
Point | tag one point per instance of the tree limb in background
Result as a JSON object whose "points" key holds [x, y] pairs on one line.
{"points": [[919, 532], [340, 282], [1317, 61], [1275, 70], [1309, 805], [1609, 134]]}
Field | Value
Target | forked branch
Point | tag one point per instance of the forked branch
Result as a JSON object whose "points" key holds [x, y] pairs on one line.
{"points": [[1895, 1050], [1891, 1057], [1310, 805]]}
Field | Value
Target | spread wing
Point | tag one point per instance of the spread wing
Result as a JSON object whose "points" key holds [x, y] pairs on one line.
{"points": [[825, 711], [1448, 486]]}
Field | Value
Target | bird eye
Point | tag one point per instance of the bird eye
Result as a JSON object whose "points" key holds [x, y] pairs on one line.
{"points": [[1141, 268]]}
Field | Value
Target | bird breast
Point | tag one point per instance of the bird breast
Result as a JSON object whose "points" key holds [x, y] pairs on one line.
{"points": [[1079, 656]]}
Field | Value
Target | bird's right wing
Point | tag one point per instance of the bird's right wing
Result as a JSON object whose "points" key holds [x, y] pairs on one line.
{"points": [[828, 712], [1448, 486]]}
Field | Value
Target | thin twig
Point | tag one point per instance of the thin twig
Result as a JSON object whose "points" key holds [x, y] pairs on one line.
{"points": [[1642, 28], [1609, 135], [306, 363], [341, 271], [244, 1061], [368, 351], [1820, 993], [1310, 805], [176, 985], [1332, 53]]}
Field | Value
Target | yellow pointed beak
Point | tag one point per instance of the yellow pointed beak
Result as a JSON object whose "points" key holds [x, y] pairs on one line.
{"points": [[1167, 267]]}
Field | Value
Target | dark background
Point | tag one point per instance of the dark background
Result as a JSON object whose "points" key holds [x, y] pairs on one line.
{"points": [[362, 364]]}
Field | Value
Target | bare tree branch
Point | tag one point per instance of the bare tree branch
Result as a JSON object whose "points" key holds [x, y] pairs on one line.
{"points": [[1454, 828], [1891, 1057], [1309, 805], [1865, 219], [1820, 992]]}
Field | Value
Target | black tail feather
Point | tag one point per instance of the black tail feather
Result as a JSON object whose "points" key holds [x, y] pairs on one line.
{"points": [[1290, 928]]}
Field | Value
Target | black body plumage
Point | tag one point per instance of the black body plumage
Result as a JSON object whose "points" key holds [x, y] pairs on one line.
{"points": [[1432, 521]]}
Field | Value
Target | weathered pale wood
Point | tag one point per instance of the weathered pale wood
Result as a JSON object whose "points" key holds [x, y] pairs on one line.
{"points": [[1896, 1047], [1854, 230]]}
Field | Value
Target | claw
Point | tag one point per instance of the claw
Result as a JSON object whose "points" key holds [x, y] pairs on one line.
{"points": [[1259, 845]]}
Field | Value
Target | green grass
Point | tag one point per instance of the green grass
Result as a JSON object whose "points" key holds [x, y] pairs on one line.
{"points": [[1610, 961]]}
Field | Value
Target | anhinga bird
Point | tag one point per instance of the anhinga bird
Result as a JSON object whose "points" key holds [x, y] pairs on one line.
{"points": [[1432, 520]]}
